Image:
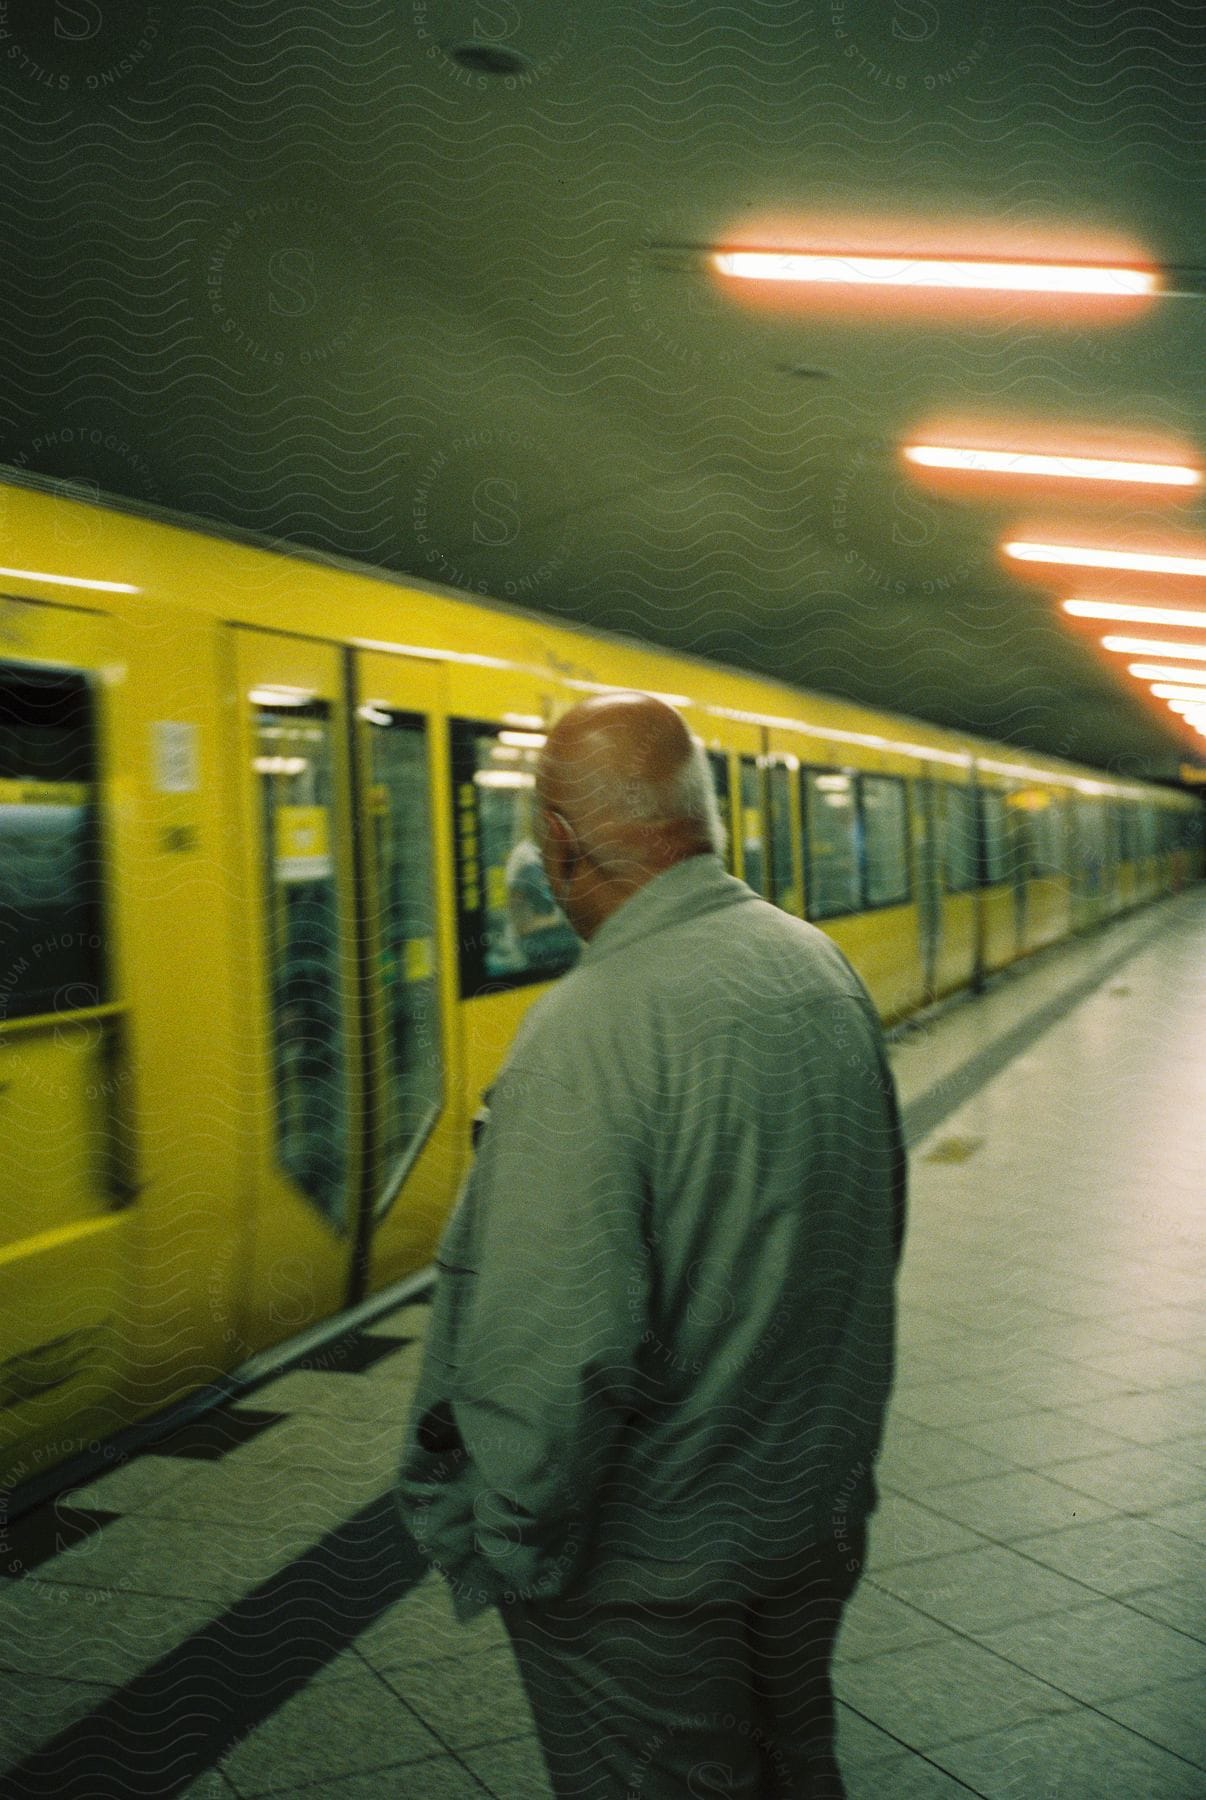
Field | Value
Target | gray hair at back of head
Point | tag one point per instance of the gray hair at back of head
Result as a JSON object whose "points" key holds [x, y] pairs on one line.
{"points": [[688, 796]]}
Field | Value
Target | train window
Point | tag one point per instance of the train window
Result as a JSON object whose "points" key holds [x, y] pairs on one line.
{"points": [[958, 837], [718, 762], [406, 923], [1048, 839], [306, 976], [1020, 853], [1116, 850], [1090, 823], [886, 840], [832, 837], [785, 889], [994, 838], [753, 851], [512, 929], [51, 935]]}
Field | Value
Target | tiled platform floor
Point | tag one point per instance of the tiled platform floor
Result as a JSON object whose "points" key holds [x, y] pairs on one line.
{"points": [[230, 1614]]}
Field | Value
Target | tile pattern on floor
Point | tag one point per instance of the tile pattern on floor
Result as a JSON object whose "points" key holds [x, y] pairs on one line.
{"points": [[1033, 1619]]}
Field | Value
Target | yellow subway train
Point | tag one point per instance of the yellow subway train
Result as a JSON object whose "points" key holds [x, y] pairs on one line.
{"points": [[270, 912]]}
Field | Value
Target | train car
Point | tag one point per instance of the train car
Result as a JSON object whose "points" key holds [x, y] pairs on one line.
{"points": [[271, 911]]}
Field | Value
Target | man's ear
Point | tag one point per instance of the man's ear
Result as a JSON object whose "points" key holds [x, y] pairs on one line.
{"points": [[560, 848], [560, 829]]}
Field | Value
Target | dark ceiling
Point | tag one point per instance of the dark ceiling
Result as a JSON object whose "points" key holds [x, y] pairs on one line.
{"points": [[294, 267]]}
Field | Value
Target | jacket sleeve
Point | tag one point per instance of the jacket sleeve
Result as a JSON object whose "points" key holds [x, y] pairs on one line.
{"points": [[540, 1369]]}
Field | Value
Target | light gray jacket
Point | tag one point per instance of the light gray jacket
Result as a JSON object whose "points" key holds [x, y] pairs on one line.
{"points": [[662, 1339]]}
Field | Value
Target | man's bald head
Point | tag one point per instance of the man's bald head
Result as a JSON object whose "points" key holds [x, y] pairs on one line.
{"points": [[632, 783]]}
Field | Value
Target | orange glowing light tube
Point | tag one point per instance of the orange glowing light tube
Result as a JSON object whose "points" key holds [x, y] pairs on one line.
{"points": [[1017, 462], [1082, 556], [1126, 614], [1129, 646], [1165, 672], [926, 272]]}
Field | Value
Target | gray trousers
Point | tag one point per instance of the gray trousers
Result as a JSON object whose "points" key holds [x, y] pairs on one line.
{"points": [[684, 1702]]}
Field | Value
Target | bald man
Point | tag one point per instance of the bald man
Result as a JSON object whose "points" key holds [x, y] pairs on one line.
{"points": [[662, 1339]]}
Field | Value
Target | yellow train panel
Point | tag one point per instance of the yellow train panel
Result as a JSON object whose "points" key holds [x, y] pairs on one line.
{"points": [[957, 949], [883, 948], [999, 937]]}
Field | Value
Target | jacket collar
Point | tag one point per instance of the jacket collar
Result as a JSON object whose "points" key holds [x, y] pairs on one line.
{"points": [[688, 889]]}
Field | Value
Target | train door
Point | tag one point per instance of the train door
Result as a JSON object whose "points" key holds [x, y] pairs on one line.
{"points": [[415, 1141], [1019, 864], [737, 778], [998, 894], [786, 856], [928, 880], [755, 862], [1086, 860], [1126, 853], [722, 781], [302, 1081], [67, 1180], [1114, 852]]}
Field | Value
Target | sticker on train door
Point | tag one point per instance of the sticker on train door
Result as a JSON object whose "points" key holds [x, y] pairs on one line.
{"points": [[302, 844], [174, 755]]}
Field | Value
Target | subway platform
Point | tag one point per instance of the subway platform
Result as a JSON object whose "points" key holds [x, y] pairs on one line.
{"points": [[231, 1611]]}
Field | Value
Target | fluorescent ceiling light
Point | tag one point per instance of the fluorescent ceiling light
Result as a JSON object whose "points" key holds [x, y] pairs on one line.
{"points": [[1082, 557], [522, 740], [1130, 646], [1123, 611], [280, 765], [280, 696], [1164, 672], [1165, 691], [1086, 468], [504, 778], [101, 587], [936, 272]]}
